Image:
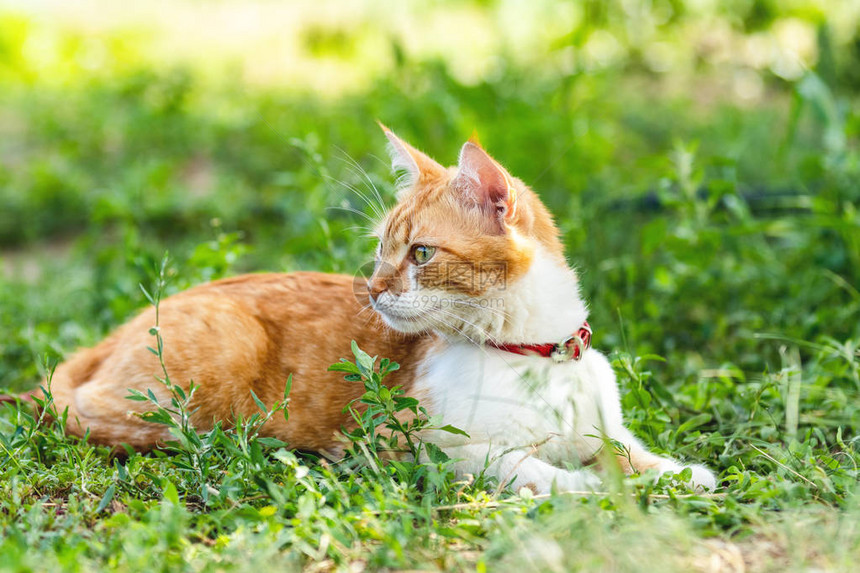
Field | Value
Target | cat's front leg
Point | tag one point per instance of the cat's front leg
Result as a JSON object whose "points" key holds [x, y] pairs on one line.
{"points": [[520, 468], [635, 458]]}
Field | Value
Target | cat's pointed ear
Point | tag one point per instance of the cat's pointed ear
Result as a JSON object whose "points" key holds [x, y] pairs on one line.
{"points": [[482, 180], [411, 163]]}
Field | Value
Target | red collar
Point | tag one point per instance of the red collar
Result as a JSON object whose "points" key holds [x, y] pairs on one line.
{"points": [[571, 348]]}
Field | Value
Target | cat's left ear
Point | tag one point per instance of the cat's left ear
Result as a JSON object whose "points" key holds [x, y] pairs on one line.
{"points": [[481, 179], [414, 164]]}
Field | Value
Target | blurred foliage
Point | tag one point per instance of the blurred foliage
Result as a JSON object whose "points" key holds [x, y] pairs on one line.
{"points": [[701, 159]]}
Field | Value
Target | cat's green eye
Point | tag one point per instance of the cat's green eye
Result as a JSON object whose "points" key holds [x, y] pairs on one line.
{"points": [[422, 253]]}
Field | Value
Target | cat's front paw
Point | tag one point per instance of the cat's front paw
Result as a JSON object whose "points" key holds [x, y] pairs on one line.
{"points": [[577, 480], [702, 478]]}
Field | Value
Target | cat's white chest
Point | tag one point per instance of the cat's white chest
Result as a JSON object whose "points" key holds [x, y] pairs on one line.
{"points": [[502, 399]]}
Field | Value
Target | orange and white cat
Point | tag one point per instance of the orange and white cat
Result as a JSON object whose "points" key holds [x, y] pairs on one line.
{"points": [[472, 296]]}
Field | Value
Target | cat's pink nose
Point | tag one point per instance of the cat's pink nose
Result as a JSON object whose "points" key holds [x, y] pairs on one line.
{"points": [[376, 286]]}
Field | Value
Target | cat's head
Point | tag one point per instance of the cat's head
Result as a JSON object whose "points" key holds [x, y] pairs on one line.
{"points": [[453, 249]]}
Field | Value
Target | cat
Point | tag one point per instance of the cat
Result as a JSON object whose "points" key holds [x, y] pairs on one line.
{"points": [[471, 295]]}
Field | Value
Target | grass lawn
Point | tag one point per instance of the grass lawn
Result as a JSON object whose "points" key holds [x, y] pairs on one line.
{"points": [[707, 194]]}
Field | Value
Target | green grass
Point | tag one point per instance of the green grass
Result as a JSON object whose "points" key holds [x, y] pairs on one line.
{"points": [[718, 245]]}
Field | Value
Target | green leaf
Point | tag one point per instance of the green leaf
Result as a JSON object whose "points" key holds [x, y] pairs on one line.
{"points": [[404, 402], [159, 417], [453, 430], [694, 422], [436, 455], [259, 402], [146, 294], [288, 387], [271, 489], [169, 492], [121, 472], [344, 366], [362, 359], [106, 498], [285, 404], [271, 442], [136, 396], [392, 367]]}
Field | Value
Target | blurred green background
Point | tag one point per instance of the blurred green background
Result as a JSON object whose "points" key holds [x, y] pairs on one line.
{"points": [[700, 156]]}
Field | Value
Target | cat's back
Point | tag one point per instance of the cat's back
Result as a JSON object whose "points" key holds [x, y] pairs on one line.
{"points": [[286, 305], [296, 313], [275, 294]]}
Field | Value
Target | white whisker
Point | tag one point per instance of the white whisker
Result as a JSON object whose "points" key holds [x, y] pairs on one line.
{"points": [[376, 212], [497, 312], [355, 211], [362, 172], [480, 330]]}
